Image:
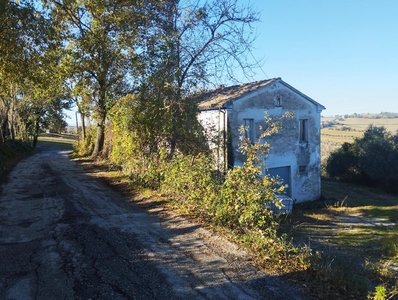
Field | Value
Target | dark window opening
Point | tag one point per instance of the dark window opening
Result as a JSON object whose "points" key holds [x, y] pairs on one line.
{"points": [[278, 101], [303, 169], [249, 129], [304, 130]]}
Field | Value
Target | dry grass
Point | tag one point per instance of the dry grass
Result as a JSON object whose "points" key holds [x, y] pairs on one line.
{"points": [[357, 126], [338, 135], [353, 222], [361, 124]]}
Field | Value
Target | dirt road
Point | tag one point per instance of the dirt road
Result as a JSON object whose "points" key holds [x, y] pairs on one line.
{"points": [[66, 235]]}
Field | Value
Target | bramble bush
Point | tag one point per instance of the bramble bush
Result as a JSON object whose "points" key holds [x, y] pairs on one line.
{"points": [[192, 182], [238, 201], [246, 191]]}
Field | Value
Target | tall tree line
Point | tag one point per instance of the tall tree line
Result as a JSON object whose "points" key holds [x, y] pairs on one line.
{"points": [[31, 84], [95, 53]]}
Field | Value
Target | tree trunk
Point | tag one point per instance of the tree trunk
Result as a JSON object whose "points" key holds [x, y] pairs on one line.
{"points": [[36, 133], [100, 137], [82, 120], [3, 130], [102, 112], [12, 130]]}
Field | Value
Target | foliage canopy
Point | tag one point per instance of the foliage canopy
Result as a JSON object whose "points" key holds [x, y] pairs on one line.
{"points": [[370, 159]]}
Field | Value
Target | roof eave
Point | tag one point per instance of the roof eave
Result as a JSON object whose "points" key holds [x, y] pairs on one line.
{"points": [[319, 106]]}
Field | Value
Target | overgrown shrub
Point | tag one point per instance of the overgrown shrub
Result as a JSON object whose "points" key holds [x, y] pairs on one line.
{"points": [[389, 244], [246, 191], [239, 202], [10, 150], [192, 181], [343, 164], [85, 147]]}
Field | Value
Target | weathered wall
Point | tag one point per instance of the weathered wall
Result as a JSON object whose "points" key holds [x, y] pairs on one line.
{"points": [[214, 123], [287, 150]]}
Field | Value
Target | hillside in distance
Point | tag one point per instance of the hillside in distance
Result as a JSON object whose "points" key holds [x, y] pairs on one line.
{"points": [[338, 129]]}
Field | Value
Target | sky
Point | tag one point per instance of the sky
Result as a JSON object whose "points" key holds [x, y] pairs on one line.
{"points": [[341, 53]]}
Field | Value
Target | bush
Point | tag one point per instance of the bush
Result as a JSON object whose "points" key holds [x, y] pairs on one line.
{"points": [[343, 163], [10, 150], [85, 147], [191, 181], [239, 202], [389, 245], [369, 160]]}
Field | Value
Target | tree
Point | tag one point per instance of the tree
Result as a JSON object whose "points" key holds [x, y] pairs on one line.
{"points": [[17, 40], [378, 155], [370, 159], [31, 85], [102, 41], [343, 163], [197, 44]]}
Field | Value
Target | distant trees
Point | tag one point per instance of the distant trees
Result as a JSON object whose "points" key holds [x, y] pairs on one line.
{"points": [[155, 52], [102, 40], [371, 159], [31, 85], [192, 45]]}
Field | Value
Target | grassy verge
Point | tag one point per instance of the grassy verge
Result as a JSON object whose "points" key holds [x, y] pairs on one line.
{"points": [[353, 232]]}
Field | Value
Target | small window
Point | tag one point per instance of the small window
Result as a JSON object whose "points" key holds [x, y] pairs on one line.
{"points": [[304, 130], [249, 132], [302, 170], [278, 101]]}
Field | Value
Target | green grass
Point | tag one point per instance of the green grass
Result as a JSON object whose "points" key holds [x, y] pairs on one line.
{"points": [[59, 141], [389, 213]]}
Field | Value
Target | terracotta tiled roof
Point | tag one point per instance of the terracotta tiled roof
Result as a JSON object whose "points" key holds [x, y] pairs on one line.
{"points": [[218, 97]]}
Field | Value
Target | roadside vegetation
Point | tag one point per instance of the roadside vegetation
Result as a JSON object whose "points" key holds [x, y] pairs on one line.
{"points": [[132, 70], [343, 246]]}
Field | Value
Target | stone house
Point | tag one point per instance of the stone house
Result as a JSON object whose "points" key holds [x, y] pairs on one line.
{"points": [[295, 153]]}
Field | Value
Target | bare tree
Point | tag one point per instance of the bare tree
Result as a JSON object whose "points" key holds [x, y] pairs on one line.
{"points": [[198, 44]]}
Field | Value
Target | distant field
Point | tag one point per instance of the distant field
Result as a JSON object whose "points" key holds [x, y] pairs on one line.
{"points": [[333, 137], [340, 136], [363, 123], [60, 141], [357, 126]]}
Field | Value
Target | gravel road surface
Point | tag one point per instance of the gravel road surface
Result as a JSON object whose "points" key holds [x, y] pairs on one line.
{"points": [[66, 235]]}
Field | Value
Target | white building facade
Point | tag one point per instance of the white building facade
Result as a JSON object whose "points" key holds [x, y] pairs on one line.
{"points": [[295, 152]]}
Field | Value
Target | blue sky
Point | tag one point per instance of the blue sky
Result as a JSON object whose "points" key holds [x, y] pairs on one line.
{"points": [[343, 54]]}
